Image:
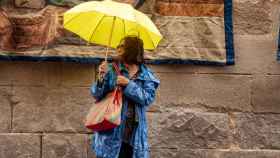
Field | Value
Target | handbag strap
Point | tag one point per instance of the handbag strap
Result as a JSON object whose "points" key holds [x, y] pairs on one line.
{"points": [[117, 69], [117, 90]]}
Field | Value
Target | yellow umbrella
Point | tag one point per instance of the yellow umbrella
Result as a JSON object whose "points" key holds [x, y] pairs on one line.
{"points": [[107, 22]]}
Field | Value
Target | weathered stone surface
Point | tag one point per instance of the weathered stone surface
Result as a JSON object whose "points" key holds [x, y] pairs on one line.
{"points": [[74, 52], [250, 154], [254, 54], [46, 73], [6, 30], [180, 31], [66, 3], [182, 153], [74, 74], [37, 28], [234, 91], [189, 9], [189, 53], [70, 39], [72, 3], [190, 38], [200, 153], [178, 128], [178, 68], [259, 131], [194, 1], [266, 92], [254, 17], [34, 4], [51, 110], [28, 73], [5, 109], [19, 146], [4, 2], [5, 75], [54, 72], [206, 92], [64, 145]]}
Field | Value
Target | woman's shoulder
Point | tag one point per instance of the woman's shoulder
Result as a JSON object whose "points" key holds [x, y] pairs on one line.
{"points": [[148, 74]]}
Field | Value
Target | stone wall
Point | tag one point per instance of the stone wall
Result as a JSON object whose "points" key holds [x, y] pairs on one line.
{"points": [[200, 111]]}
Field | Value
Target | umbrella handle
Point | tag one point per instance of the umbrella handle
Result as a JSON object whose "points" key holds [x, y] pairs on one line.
{"points": [[106, 57]]}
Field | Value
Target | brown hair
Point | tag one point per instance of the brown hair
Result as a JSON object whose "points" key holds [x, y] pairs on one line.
{"points": [[133, 50]]}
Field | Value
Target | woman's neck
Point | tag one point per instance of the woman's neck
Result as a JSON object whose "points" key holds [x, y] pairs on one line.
{"points": [[132, 69], [131, 66]]}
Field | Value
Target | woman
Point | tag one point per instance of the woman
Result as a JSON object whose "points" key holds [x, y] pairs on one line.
{"points": [[129, 140]]}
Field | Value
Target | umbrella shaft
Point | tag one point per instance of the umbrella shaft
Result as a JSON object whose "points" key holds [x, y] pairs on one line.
{"points": [[110, 39]]}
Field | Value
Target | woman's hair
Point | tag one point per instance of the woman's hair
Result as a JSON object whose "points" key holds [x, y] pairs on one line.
{"points": [[133, 50]]}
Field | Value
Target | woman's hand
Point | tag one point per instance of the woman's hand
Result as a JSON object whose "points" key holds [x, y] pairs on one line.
{"points": [[122, 81], [103, 67]]}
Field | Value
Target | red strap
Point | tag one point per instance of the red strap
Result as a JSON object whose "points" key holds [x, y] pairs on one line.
{"points": [[117, 69], [117, 97], [117, 91]]}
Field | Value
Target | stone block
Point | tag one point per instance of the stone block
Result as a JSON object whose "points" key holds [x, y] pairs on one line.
{"points": [[257, 131], [39, 28], [254, 17], [250, 154], [54, 74], [41, 109], [202, 153], [177, 128], [204, 92], [225, 92], [265, 93], [74, 74], [178, 68], [29, 73], [5, 76], [183, 153], [34, 4], [5, 109], [64, 145], [19, 145], [181, 31], [6, 31], [186, 8], [253, 55], [66, 3]]}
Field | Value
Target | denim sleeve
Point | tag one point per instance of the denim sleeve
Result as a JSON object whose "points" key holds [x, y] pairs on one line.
{"points": [[100, 88], [142, 95]]}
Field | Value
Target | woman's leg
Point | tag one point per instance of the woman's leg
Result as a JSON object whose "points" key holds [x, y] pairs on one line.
{"points": [[126, 151]]}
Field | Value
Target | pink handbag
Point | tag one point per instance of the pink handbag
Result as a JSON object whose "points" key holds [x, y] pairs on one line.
{"points": [[106, 113]]}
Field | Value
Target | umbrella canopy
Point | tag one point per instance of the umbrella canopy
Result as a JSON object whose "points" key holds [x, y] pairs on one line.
{"points": [[107, 22]]}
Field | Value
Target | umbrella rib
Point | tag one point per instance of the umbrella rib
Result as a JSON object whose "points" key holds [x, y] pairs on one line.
{"points": [[150, 37], [96, 27], [123, 28], [110, 38]]}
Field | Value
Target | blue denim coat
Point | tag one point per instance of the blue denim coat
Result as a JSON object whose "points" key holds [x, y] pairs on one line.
{"points": [[142, 91]]}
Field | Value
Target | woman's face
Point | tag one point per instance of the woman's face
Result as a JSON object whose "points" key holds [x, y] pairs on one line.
{"points": [[120, 49]]}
